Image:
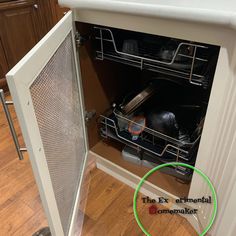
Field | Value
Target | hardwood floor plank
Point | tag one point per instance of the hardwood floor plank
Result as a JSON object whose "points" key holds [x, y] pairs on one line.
{"points": [[185, 229], [34, 223], [105, 191], [121, 213], [13, 216], [30, 196], [15, 185]]}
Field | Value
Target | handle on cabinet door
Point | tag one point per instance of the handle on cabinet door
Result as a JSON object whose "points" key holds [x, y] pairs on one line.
{"points": [[5, 105], [36, 6]]}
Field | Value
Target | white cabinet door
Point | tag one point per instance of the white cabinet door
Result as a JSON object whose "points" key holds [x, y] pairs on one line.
{"points": [[47, 95]]}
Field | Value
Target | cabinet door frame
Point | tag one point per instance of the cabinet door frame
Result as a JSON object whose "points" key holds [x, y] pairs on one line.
{"points": [[19, 80]]}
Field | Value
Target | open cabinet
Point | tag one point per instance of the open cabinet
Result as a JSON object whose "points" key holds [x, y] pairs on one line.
{"points": [[131, 100], [165, 84]]}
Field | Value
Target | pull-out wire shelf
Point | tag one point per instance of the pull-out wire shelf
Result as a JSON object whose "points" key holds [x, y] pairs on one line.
{"points": [[186, 70], [161, 146]]}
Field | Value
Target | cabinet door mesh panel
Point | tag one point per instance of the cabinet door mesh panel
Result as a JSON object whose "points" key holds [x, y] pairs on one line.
{"points": [[56, 103]]}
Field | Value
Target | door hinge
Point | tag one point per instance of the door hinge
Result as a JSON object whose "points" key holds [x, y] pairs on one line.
{"points": [[80, 39], [89, 115]]}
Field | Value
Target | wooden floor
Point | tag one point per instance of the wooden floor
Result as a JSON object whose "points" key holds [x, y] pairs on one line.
{"points": [[21, 212], [109, 211]]}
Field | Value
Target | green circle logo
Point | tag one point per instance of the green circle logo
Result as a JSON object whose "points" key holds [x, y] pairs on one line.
{"points": [[174, 164]]}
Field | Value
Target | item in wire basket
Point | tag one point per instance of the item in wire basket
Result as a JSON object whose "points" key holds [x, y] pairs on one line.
{"points": [[163, 122], [172, 49], [130, 46], [121, 122], [138, 100], [167, 52], [136, 126], [184, 136], [130, 154]]}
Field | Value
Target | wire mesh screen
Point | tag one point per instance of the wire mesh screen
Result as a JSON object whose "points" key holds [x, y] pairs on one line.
{"points": [[57, 106]]}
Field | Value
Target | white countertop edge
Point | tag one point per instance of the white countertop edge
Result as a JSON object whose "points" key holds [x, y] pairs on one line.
{"points": [[222, 18]]}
